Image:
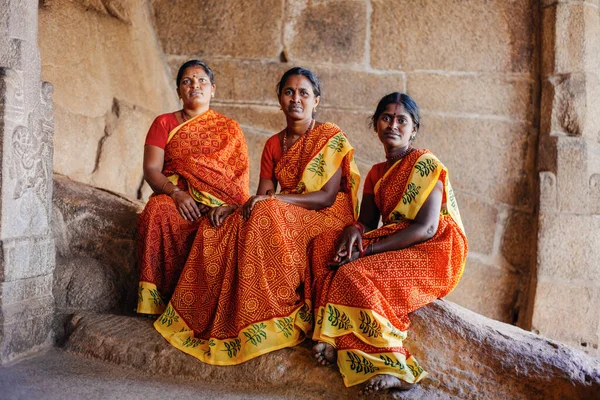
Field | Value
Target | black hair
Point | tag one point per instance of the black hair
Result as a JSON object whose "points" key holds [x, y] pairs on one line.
{"points": [[308, 74], [401, 99], [195, 63]]}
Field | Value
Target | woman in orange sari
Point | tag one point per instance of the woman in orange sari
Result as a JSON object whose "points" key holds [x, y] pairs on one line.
{"points": [[194, 159], [245, 288], [367, 279]]}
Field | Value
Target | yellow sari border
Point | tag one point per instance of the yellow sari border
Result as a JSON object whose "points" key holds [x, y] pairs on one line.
{"points": [[335, 320], [254, 340], [357, 366], [150, 300], [325, 164], [198, 195]]}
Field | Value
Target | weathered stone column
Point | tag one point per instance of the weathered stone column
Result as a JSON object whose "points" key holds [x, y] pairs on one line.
{"points": [[566, 286], [26, 129]]}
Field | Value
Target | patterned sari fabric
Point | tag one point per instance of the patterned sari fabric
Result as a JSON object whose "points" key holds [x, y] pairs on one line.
{"points": [[245, 288], [208, 157], [362, 308]]}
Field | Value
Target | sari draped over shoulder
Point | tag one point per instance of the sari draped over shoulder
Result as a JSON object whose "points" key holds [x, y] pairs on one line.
{"points": [[245, 288], [362, 308], [208, 157]]}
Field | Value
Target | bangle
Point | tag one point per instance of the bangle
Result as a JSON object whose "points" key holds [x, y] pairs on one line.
{"points": [[174, 190], [162, 188], [271, 193], [359, 226]]}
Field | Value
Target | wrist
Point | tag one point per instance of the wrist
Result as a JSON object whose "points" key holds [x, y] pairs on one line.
{"points": [[359, 226], [175, 190]]}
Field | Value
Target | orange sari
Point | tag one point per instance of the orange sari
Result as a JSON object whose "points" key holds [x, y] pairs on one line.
{"points": [[362, 308], [245, 288], [208, 157]]}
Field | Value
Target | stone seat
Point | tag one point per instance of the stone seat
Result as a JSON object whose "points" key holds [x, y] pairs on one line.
{"points": [[467, 355]]}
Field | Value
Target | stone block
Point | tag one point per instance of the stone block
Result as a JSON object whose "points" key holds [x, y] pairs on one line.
{"points": [[331, 32], [219, 27], [26, 289], [486, 157], [572, 176], [571, 105], [488, 290], [479, 218], [266, 118], [569, 248], [26, 336], [347, 89], [120, 152], [517, 246], [453, 35], [567, 312], [27, 258], [498, 95], [569, 38]]}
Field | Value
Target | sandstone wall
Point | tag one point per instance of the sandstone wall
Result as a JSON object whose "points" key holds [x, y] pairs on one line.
{"points": [[107, 66], [566, 284], [470, 65]]}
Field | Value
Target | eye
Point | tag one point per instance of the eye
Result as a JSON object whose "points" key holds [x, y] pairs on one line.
{"points": [[203, 81], [185, 81], [385, 118], [304, 93], [287, 92]]}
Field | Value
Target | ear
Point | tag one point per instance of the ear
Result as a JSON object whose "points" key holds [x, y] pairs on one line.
{"points": [[178, 94], [317, 100], [213, 90]]}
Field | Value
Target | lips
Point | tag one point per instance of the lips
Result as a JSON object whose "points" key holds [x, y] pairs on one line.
{"points": [[195, 93]]}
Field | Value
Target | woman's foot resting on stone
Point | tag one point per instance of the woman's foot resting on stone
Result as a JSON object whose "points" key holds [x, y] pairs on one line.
{"points": [[325, 353], [383, 382]]}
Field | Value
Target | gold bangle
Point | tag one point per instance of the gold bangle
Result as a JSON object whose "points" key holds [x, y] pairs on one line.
{"points": [[176, 189]]}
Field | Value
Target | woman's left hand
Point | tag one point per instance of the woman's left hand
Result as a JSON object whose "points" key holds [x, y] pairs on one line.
{"points": [[249, 206], [339, 261], [217, 215]]}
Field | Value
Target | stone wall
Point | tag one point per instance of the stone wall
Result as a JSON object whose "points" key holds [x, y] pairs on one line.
{"points": [[470, 65], [566, 283], [110, 82]]}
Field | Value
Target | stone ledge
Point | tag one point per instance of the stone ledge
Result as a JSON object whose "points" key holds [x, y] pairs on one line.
{"points": [[467, 355]]}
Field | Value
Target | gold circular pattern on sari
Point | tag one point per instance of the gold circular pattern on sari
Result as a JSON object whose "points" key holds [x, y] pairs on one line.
{"points": [[248, 271], [190, 274], [283, 292], [212, 270], [188, 298], [251, 305]]}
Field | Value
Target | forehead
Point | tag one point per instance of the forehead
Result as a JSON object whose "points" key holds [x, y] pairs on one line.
{"points": [[395, 109], [298, 81], [194, 70]]}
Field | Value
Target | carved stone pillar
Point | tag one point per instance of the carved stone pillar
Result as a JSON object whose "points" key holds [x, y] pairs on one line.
{"points": [[26, 129], [566, 284]]}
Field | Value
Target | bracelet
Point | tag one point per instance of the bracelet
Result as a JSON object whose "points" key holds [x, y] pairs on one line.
{"points": [[271, 193], [174, 190], [162, 188], [359, 226]]}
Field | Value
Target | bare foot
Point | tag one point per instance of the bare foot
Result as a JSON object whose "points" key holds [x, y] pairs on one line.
{"points": [[383, 382], [325, 353]]}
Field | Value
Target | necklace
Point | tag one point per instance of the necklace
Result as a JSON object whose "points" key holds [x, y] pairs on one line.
{"points": [[310, 126], [400, 155], [184, 115]]}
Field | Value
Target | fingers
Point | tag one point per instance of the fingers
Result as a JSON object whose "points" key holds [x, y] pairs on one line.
{"points": [[248, 207], [212, 217], [203, 208]]}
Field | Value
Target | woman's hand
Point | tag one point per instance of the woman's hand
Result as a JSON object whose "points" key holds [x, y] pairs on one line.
{"points": [[247, 208], [348, 247], [186, 205], [217, 215]]}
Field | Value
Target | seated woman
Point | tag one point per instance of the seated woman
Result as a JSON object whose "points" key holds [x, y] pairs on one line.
{"points": [[194, 159], [245, 288], [365, 284]]}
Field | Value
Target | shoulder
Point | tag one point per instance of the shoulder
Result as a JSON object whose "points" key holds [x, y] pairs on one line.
{"points": [[166, 120], [272, 144]]}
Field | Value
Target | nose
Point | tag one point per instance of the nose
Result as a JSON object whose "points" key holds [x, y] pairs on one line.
{"points": [[394, 123], [295, 97]]}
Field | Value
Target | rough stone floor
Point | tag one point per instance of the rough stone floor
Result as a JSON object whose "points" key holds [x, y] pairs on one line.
{"points": [[123, 357], [58, 375]]}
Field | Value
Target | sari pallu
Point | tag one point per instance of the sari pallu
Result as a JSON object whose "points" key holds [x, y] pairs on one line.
{"points": [[362, 308], [245, 288], [206, 156]]}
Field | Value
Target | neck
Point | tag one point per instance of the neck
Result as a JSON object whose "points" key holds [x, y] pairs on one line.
{"points": [[192, 112], [395, 153], [298, 128]]}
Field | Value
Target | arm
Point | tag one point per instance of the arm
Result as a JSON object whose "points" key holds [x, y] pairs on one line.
{"points": [[217, 215], [312, 201], [421, 229], [154, 159]]}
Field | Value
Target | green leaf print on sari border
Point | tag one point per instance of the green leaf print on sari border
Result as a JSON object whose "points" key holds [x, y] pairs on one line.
{"points": [[337, 143], [169, 316], [317, 165], [232, 347], [256, 333], [368, 326], [411, 193], [360, 364], [425, 167], [337, 319], [285, 326]]}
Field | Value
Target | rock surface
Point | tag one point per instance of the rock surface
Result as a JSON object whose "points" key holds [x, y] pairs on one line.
{"points": [[95, 236], [468, 357]]}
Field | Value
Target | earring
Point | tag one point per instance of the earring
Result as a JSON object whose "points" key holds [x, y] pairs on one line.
{"points": [[212, 95], [413, 136]]}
